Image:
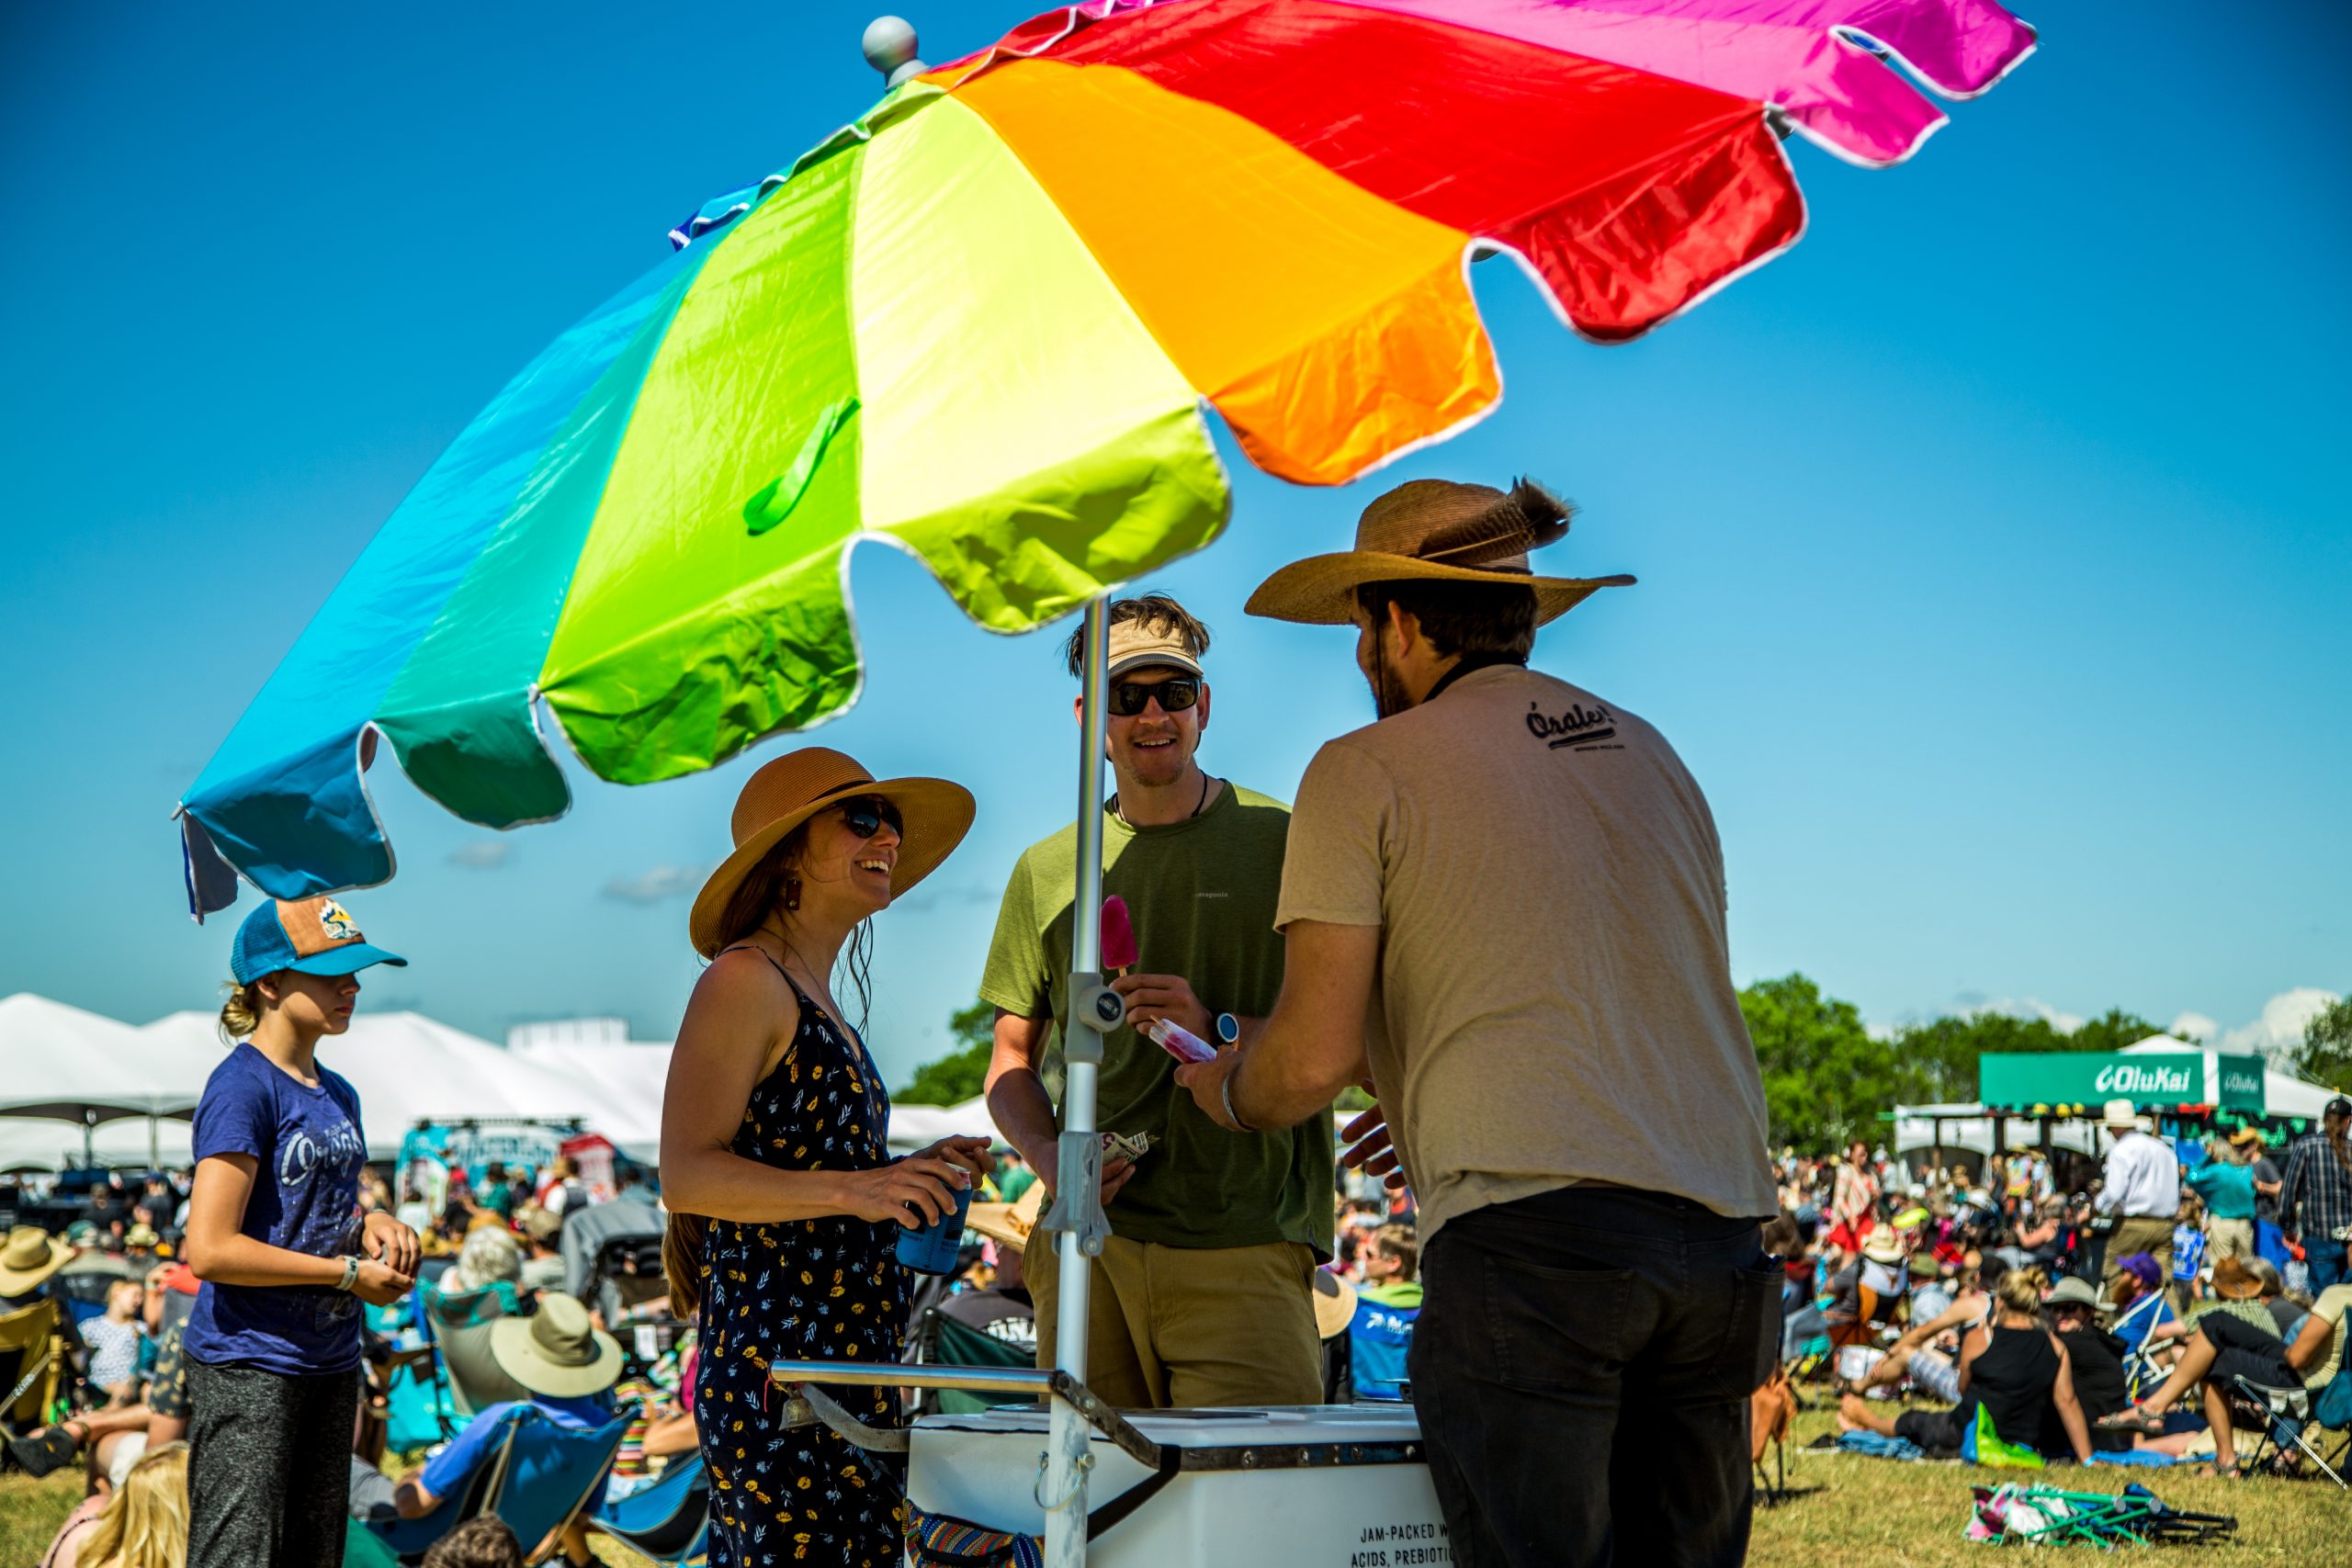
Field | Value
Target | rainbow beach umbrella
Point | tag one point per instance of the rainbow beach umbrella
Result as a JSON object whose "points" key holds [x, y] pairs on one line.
{"points": [[986, 323]]}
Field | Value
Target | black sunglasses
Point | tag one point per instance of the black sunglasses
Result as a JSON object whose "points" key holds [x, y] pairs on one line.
{"points": [[1176, 694], [864, 814]]}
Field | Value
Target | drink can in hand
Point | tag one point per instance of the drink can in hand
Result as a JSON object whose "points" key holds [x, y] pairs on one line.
{"points": [[931, 1248]]}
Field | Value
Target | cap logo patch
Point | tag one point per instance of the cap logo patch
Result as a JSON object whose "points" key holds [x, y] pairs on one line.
{"points": [[335, 921]]}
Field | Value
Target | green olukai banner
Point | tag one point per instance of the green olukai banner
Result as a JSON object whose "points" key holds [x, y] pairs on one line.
{"points": [[2149, 1078]]}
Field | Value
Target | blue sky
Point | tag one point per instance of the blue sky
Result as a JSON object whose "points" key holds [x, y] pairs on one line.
{"points": [[1993, 542]]}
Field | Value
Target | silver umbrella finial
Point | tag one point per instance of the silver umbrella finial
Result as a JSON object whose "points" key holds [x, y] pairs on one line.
{"points": [[889, 46]]}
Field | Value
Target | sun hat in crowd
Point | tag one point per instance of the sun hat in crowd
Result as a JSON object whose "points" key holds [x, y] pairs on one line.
{"points": [[1335, 1304], [310, 936], [1435, 531], [1883, 1246], [538, 1223], [792, 788], [2071, 1290], [141, 1235], [2245, 1135], [2122, 1113], [29, 1256], [1924, 1265], [81, 1233], [2143, 1266], [2233, 1281], [557, 1350], [1007, 1224]]}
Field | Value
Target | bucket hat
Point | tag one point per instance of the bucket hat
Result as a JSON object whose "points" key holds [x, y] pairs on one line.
{"points": [[1335, 1304], [556, 1351], [2072, 1289], [792, 788], [1439, 531], [29, 1256], [1007, 1224], [311, 936]]}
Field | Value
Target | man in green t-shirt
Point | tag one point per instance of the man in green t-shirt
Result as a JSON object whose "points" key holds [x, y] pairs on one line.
{"points": [[1202, 1295]]}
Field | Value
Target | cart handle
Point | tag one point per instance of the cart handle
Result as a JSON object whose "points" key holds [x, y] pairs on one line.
{"points": [[1090, 1407]]}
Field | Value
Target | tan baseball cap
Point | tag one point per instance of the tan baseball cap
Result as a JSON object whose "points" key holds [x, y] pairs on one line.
{"points": [[1137, 646]]}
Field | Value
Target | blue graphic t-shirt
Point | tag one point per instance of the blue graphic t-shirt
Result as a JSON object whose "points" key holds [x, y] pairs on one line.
{"points": [[308, 1144]]}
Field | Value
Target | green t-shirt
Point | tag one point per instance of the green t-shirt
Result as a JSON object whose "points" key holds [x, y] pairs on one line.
{"points": [[1202, 894]]}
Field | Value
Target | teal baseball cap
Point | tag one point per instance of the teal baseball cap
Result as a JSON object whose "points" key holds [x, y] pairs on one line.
{"points": [[312, 936]]}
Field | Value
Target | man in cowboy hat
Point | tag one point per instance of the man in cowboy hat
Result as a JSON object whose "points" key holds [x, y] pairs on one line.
{"points": [[569, 1367], [1507, 897], [1200, 1296], [2141, 1189], [27, 1258]]}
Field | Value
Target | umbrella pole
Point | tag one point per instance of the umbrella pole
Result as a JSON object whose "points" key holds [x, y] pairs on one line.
{"points": [[1077, 1207]]}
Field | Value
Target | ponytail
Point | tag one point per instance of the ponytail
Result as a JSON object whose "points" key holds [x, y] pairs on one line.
{"points": [[241, 1014], [682, 1251]]}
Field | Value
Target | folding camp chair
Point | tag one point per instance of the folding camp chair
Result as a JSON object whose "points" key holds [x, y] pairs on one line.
{"points": [[459, 1328], [2286, 1416], [941, 1340], [551, 1470], [669, 1521], [30, 1365], [411, 1537], [2141, 1371]]}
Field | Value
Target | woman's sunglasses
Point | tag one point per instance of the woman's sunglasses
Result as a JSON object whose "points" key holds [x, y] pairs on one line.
{"points": [[864, 815], [1176, 694]]}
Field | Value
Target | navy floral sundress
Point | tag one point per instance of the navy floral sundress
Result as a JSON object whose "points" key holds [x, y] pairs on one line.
{"points": [[803, 1290]]}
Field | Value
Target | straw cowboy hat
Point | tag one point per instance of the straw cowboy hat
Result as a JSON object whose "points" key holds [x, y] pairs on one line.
{"points": [[2233, 1281], [29, 1256], [1009, 1225], [1439, 531], [794, 787], [1883, 1246], [556, 1351], [2122, 1114], [1335, 1304]]}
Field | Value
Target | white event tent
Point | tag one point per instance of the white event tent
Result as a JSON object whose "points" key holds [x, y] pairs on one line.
{"points": [[916, 1126], [72, 1079], [408, 1068], [626, 1078]]}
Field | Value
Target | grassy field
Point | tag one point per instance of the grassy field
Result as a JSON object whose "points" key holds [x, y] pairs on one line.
{"points": [[1851, 1513]]}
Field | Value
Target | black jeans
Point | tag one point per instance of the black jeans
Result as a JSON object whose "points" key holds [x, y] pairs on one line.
{"points": [[1582, 1368], [268, 1467]]}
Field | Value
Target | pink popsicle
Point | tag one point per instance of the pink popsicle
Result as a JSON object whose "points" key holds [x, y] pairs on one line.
{"points": [[1118, 935]]}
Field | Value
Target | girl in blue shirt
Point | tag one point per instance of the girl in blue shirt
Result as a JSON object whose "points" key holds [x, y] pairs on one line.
{"points": [[274, 1232]]}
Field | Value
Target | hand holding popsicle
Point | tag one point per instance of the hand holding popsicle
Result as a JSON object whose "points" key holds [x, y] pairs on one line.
{"points": [[1119, 954]]}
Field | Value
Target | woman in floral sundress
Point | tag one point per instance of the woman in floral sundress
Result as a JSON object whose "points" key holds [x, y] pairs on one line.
{"points": [[785, 1204]]}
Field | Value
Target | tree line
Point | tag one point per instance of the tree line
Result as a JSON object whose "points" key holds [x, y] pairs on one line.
{"points": [[1827, 1077]]}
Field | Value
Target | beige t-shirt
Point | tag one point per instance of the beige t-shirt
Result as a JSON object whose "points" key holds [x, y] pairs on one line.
{"points": [[1555, 1001], [2334, 1302]]}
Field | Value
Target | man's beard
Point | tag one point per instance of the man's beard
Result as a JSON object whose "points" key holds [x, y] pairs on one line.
{"points": [[1389, 697]]}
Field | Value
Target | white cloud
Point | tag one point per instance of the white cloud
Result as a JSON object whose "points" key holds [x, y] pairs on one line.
{"points": [[481, 854], [654, 885], [2281, 1027], [2031, 1007], [2192, 1026]]}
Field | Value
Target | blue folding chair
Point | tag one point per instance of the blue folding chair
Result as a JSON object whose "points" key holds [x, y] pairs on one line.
{"points": [[669, 1521], [550, 1472], [410, 1537]]}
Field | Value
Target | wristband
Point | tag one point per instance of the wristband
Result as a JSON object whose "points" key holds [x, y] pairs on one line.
{"points": [[1224, 1092], [350, 1273]]}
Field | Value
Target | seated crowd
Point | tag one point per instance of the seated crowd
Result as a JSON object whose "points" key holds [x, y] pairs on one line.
{"points": [[1988, 1301]]}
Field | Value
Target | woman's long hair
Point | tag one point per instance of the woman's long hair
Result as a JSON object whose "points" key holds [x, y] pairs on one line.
{"points": [[769, 889], [145, 1523]]}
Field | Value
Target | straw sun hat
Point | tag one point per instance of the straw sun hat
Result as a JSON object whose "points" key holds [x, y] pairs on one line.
{"points": [[791, 789], [556, 1351], [29, 1256], [1007, 1224], [1434, 530]]}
